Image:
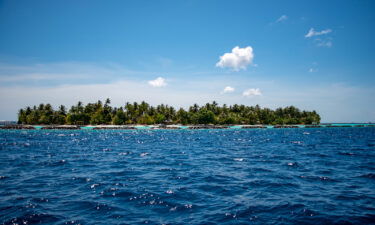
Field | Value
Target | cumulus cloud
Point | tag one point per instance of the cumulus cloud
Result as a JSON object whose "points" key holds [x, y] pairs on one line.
{"points": [[227, 89], [252, 92], [282, 18], [158, 82], [313, 32], [238, 59]]}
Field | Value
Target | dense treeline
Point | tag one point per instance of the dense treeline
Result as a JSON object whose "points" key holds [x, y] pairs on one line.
{"points": [[143, 113]]}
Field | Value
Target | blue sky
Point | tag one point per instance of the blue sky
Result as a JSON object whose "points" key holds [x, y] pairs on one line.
{"points": [[312, 54]]}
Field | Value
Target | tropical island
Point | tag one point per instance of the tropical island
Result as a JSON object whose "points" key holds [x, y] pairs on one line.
{"points": [[100, 113]]}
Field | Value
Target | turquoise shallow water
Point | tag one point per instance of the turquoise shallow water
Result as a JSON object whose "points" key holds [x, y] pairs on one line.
{"points": [[348, 124], [142, 127], [87, 127], [146, 127], [234, 176]]}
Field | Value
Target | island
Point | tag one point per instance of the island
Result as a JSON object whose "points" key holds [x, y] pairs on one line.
{"points": [[100, 113]]}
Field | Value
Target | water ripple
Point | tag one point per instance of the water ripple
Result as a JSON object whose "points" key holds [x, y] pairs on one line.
{"points": [[267, 176]]}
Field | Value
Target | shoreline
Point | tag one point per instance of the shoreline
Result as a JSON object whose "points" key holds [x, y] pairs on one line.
{"points": [[172, 127]]}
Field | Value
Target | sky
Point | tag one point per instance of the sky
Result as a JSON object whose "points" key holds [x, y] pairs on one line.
{"points": [[315, 55]]}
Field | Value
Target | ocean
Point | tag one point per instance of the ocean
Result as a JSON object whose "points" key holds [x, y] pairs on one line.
{"points": [[228, 176]]}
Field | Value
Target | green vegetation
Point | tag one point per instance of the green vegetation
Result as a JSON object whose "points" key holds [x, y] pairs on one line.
{"points": [[143, 113]]}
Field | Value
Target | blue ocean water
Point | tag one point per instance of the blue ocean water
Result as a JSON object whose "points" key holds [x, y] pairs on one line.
{"points": [[252, 176]]}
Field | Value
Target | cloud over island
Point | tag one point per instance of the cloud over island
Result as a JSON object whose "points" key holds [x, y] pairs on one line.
{"points": [[158, 82], [238, 59], [227, 89], [252, 92]]}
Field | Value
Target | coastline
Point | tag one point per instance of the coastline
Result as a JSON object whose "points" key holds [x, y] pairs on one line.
{"points": [[173, 126]]}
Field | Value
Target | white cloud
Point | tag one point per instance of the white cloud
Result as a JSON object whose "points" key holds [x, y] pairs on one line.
{"points": [[227, 89], [238, 59], [282, 18], [323, 43], [158, 82], [313, 33], [252, 92]]}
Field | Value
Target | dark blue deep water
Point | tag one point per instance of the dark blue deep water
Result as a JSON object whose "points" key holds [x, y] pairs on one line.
{"points": [[260, 176]]}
